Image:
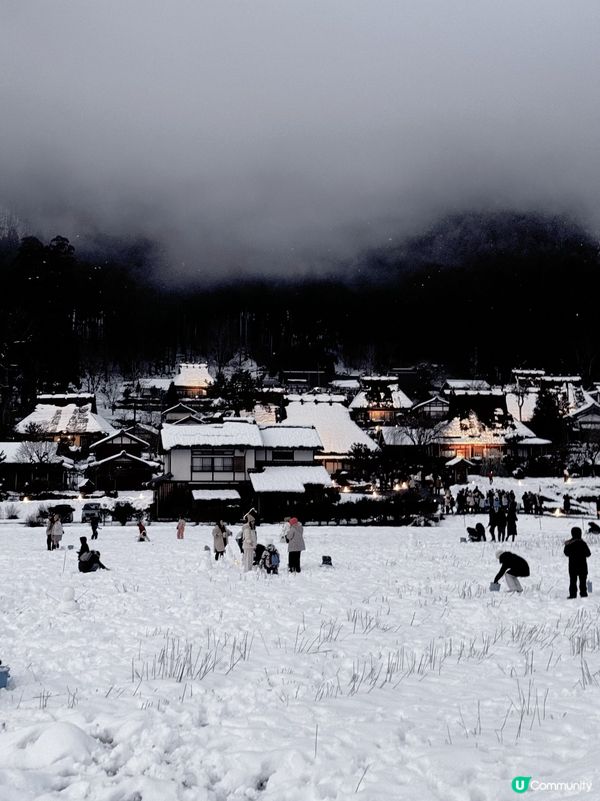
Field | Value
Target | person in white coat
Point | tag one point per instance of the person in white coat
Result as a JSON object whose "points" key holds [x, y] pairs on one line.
{"points": [[57, 532], [249, 543]]}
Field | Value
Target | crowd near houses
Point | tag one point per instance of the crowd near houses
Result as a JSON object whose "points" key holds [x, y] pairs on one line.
{"points": [[205, 440]]}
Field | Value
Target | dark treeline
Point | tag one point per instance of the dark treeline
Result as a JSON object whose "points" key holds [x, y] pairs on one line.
{"points": [[479, 295]]}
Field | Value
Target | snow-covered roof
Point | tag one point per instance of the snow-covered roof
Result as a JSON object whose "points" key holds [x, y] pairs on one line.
{"points": [[228, 433], [434, 399], [345, 383], [458, 460], [337, 431], [527, 398], [193, 375], [70, 419], [157, 383], [287, 436], [289, 479], [467, 383], [120, 432], [179, 407], [12, 451], [215, 495], [316, 397], [590, 406], [399, 400], [123, 455]]}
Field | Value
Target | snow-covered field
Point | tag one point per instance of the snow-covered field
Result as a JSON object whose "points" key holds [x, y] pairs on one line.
{"points": [[394, 675]]}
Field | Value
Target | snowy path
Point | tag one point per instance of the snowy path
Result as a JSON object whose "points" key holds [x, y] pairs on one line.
{"points": [[394, 675]]}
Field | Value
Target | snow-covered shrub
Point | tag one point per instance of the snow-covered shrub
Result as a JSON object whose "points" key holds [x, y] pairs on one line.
{"points": [[37, 518], [11, 511]]}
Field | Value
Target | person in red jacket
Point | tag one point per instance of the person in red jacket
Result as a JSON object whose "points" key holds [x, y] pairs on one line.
{"points": [[577, 550]]}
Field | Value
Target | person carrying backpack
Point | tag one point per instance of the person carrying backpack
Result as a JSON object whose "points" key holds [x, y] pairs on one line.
{"points": [[89, 562], [270, 559]]}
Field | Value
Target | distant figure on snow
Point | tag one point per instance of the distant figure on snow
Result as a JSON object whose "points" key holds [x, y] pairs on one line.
{"points": [[513, 566], [143, 534], [89, 562], [577, 550], [511, 521], [593, 528], [180, 528], [476, 534], [295, 540], [220, 536], [84, 547], [56, 532], [94, 522]]}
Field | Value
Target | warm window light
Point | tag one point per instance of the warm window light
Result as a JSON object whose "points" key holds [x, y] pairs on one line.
{"points": [[404, 485], [557, 512], [346, 489], [25, 499]]}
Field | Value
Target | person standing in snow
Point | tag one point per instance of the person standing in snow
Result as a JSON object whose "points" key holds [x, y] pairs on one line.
{"points": [[295, 540], [57, 532], [94, 521], [248, 543], [577, 550], [511, 521], [501, 524], [180, 528], [49, 532], [220, 535], [513, 566]]}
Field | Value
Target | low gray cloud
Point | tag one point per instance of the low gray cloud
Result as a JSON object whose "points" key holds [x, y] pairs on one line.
{"points": [[276, 137]]}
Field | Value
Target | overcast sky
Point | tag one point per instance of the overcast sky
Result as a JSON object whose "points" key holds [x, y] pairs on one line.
{"points": [[277, 135]]}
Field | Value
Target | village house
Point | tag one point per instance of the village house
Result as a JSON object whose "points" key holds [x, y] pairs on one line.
{"points": [[231, 456], [193, 380], [379, 401], [336, 429], [72, 425], [34, 467]]}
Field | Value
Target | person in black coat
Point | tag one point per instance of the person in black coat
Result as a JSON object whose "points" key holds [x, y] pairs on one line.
{"points": [[501, 524], [84, 547], [512, 565], [89, 562], [577, 550], [476, 534], [511, 521]]}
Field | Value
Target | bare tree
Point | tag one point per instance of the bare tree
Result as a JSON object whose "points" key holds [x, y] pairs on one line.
{"points": [[112, 390], [36, 451]]}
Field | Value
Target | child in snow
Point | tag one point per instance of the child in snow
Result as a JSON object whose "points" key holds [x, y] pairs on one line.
{"points": [[577, 550], [84, 547], [143, 534], [180, 528], [512, 565], [270, 559]]}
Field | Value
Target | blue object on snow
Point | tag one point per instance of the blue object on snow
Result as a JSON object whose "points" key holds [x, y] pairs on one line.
{"points": [[494, 587], [4, 675], [589, 586]]}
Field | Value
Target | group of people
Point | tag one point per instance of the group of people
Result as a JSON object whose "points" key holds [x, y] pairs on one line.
{"points": [[254, 553], [513, 566]]}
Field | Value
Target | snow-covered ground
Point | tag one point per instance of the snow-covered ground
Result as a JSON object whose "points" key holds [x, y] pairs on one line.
{"points": [[394, 675]]}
